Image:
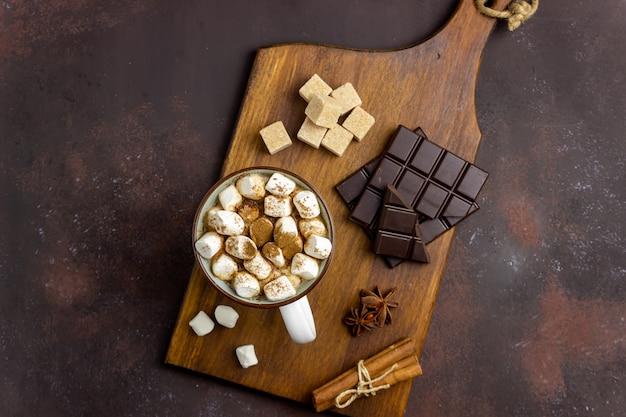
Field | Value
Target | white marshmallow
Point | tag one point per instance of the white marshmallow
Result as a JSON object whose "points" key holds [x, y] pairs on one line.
{"points": [[285, 231], [202, 324], [304, 266], [246, 356], [241, 247], [294, 279], [277, 206], [230, 198], [280, 185], [246, 285], [318, 247], [279, 289], [252, 186], [274, 254], [258, 266], [226, 316], [209, 244], [226, 222], [224, 267], [308, 227], [306, 203]]}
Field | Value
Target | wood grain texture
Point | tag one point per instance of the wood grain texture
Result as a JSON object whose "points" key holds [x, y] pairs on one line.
{"points": [[432, 85]]}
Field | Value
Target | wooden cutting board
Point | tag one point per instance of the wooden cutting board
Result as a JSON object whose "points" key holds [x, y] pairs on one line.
{"points": [[432, 85]]}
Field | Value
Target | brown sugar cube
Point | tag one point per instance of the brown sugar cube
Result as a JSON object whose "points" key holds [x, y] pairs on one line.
{"points": [[311, 134], [323, 110], [275, 137], [315, 85], [347, 96], [337, 140], [358, 123]]}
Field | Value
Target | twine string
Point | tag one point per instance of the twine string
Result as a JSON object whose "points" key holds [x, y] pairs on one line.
{"points": [[365, 386], [516, 13]]}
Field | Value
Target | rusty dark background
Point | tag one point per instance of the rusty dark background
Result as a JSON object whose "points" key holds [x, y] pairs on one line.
{"points": [[115, 117]]}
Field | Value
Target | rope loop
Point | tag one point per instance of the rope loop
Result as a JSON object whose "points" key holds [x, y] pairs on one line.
{"points": [[365, 386], [516, 13]]}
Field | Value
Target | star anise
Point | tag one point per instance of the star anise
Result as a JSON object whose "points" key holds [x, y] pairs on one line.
{"points": [[379, 303], [359, 320]]}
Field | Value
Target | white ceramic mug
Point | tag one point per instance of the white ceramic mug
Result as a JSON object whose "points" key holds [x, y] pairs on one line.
{"points": [[295, 311]]}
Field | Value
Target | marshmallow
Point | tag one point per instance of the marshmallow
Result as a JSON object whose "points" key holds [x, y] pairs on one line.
{"points": [[230, 198], [209, 244], [252, 186], [246, 285], [274, 254], [318, 247], [277, 206], [258, 266], [224, 267], [226, 316], [306, 203], [304, 266], [261, 231], [226, 222], [285, 231], [202, 324], [294, 247], [246, 356], [308, 227], [294, 279], [249, 211], [280, 185], [279, 289], [241, 247]]}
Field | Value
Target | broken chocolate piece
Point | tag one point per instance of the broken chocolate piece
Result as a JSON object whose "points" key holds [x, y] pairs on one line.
{"points": [[399, 234]]}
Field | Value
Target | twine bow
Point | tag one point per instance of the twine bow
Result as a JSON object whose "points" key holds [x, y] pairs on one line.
{"points": [[516, 13], [364, 387]]}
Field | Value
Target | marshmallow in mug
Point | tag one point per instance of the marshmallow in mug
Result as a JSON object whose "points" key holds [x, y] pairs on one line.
{"points": [[241, 247], [226, 222], [279, 289], [304, 266], [209, 244], [230, 198], [246, 285], [280, 185], [277, 206], [258, 266], [306, 203], [318, 247], [252, 186], [224, 267]]}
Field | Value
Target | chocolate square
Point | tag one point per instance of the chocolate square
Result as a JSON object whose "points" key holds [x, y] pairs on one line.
{"points": [[399, 234]]}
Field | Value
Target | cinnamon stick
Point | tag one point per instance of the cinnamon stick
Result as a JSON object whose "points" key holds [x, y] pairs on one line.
{"points": [[401, 352]]}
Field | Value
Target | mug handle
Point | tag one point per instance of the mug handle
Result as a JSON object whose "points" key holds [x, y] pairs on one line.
{"points": [[299, 322]]}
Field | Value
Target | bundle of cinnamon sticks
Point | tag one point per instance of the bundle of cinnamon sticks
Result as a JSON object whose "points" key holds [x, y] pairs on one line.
{"points": [[393, 364]]}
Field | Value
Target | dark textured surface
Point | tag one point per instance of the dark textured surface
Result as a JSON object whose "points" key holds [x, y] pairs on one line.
{"points": [[115, 117]]}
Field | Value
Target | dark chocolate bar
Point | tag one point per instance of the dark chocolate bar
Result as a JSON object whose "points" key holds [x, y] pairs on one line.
{"points": [[353, 186], [399, 234], [435, 182]]}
